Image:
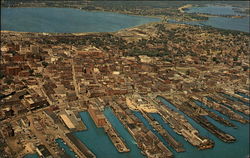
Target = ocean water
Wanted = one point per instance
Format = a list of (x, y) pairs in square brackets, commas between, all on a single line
[(238, 149), (226, 23), (66, 20), (214, 10), (98, 141), (238, 24)]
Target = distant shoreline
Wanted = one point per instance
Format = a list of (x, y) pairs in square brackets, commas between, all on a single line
[(117, 12), (160, 17), (181, 9)]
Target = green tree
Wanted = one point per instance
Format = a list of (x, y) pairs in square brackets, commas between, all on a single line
[(45, 64), (1, 75)]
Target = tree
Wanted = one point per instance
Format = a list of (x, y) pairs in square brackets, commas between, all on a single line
[(8, 81), (45, 64), (1, 75), (31, 71)]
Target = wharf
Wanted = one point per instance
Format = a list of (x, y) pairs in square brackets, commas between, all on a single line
[(246, 92), (116, 140), (237, 98), (101, 122), (168, 153), (172, 142), (65, 155), (77, 122), (81, 147), (191, 111), (182, 127), (213, 129), (214, 116), (247, 100), (239, 107), (225, 111), (125, 122)]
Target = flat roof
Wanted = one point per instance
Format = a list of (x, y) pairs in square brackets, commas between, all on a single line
[(67, 121)]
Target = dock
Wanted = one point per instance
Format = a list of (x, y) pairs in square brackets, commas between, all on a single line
[(172, 142), (191, 110), (235, 105), (81, 147), (213, 115), (182, 127), (247, 100), (225, 110), (118, 142), (101, 122), (246, 92)]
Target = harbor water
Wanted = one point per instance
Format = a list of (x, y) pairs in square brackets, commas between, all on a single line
[(66, 148), (31, 156), (98, 141), (225, 22), (215, 10)]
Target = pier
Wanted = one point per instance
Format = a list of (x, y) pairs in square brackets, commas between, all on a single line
[(154, 135), (118, 142), (237, 96), (181, 125), (85, 152), (235, 105), (172, 142), (192, 111), (211, 114), (243, 93), (101, 121), (210, 102)]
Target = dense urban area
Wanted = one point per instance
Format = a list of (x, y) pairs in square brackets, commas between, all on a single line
[(48, 79)]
